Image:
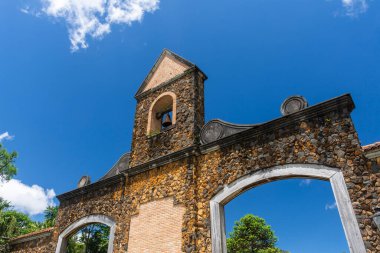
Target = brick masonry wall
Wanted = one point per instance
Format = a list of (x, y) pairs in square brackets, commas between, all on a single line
[(157, 228), (167, 69)]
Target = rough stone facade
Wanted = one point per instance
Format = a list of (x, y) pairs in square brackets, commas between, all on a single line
[(368, 196), (40, 241), (181, 135), (176, 165)]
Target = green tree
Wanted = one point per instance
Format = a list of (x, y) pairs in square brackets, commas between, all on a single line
[(3, 227), (7, 171), (90, 239), (7, 164), (12, 224), (16, 223), (251, 234), (74, 245), (50, 215), (4, 205), (95, 238)]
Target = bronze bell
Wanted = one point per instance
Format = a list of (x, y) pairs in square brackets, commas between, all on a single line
[(167, 121)]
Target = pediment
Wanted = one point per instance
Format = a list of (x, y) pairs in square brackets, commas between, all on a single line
[(168, 66)]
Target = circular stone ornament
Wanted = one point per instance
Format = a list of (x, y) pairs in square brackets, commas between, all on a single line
[(212, 131), (293, 104), (85, 180)]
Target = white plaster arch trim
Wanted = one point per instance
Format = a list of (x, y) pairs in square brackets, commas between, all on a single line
[(333, 175), (174, 114), (62, 239)]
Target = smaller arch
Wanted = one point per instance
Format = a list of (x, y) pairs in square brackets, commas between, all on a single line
[(62, 239), (165, 102)]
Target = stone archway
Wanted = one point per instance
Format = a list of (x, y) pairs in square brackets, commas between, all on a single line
[(334, 176), (62, 239)]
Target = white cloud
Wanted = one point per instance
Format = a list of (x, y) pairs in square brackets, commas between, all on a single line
[(93, 18), (6, 136), (31, 200), (28, 10), (25, 10), (330, 206), (354, 7), (305, 182)]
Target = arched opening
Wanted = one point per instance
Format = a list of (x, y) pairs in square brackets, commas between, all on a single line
[(334, 176), (162, 113), (92, 238), (89, 234), (286, 215)]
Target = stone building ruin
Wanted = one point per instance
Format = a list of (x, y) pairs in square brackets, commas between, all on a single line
[(168, 193)]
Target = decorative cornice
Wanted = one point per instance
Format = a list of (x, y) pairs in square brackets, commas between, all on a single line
[(172, 157), (371, 147), (218, 129), (120, 166), (343, 102), (372, 154), (32, 236), (92, 187)]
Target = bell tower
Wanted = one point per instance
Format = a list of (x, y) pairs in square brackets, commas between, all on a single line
[(170, 109)]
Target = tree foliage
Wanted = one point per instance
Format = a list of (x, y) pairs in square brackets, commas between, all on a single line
[(12, 222), (50, 215), (3, 228), (7, 223), (251, 234), (90, 239), (16, 223), (7, 164)]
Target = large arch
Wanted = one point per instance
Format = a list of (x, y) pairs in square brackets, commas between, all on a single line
[(62, 239), (334, 176)]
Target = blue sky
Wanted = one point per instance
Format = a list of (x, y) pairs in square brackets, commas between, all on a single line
[(301, 212), (70, 109)]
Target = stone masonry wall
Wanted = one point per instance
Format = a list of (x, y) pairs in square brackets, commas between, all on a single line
[(38, 245), (369, 196), (327, 139), (330, 140)]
